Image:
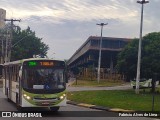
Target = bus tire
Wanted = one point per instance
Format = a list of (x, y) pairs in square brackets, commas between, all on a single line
[(7, 94), (54, 108), (9, 100), (17, 99), (19, 108)]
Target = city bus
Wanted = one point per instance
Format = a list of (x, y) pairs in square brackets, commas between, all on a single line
[(35, 82)]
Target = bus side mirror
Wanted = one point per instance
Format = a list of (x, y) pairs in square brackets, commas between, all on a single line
[(66, 77)]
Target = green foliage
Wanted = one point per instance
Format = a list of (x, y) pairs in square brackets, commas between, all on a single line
[(150, 58), (25, 44)]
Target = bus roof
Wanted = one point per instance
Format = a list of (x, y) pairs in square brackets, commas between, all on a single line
[(21, 61)]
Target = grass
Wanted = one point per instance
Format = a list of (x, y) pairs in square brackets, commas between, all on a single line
[(95, 83), (124, 99)]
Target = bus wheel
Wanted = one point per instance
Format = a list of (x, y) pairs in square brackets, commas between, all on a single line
[(19, 108), (54, 108), (9, 100)]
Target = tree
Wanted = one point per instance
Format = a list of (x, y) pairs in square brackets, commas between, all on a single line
[(150, 58), (25, 44), (127, 59)]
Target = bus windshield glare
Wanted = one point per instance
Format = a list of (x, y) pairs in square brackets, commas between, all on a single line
[(47, 75), (43, 78)]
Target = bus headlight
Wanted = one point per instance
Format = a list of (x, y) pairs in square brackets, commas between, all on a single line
[(61, 97), (24, 95), (27, 97)]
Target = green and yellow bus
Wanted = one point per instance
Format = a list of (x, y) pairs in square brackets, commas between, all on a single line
[(35, 82)]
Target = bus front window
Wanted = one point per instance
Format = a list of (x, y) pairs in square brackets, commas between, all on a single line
[(46, 78)]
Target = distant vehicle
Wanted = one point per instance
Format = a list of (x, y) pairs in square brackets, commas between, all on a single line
[(143, 83), (35, 82)]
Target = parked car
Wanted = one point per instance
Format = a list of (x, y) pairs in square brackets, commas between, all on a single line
[(143, 83)]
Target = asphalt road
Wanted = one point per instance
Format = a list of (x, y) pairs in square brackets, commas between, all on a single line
[(70, 112)]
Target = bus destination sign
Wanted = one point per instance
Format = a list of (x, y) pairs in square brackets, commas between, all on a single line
[(40, 63)]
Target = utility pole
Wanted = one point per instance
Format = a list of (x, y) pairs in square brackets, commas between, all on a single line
[(9, 41), (100, 47), (139, 47)]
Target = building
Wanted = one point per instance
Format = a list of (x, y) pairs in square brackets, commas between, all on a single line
[(85, 59), (2, 17), (2, 36)]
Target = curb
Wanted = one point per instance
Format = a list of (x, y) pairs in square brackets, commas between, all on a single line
[(99, 107)]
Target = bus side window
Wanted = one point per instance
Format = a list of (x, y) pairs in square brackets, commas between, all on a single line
[(14, 73), (17, 72), (7, 73), (1, 67), (3, 73), (11, 72)]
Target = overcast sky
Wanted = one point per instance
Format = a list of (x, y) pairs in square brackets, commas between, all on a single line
[(66, 24)]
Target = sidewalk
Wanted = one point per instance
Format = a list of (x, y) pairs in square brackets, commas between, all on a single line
[(85, 88)]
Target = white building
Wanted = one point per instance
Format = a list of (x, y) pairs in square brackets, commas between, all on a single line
[(2, 17)]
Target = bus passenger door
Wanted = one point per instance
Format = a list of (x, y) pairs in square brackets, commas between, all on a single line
[(10, 82), (20, 85)]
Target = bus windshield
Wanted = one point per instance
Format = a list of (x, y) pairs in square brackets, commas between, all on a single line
[(43, 78)]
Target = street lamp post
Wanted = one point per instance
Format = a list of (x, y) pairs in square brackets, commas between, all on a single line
[(139, 47), (100, 47)]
